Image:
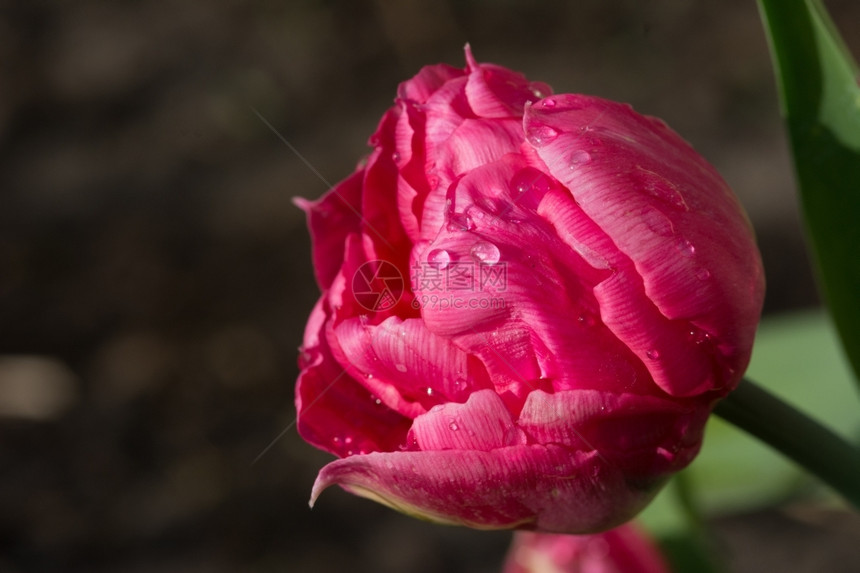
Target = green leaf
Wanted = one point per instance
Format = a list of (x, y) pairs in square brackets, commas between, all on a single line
[(820, 100)]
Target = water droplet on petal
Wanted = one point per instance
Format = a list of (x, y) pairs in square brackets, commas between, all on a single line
[(460, 222), (539, 135), (699, 336), (347, 440), (539, 89), (658, 222), (523, 186), (703, 274), (687, 248), (549, 102), (305, 357), (591, 256), (439, 258), (653, 354), (485, 252), (453, 426), (400, 367), (396, 157), (657, 186), (429, 391), (585, 319), (579, 158)]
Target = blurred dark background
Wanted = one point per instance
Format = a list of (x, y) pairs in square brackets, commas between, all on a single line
[(155, 277)]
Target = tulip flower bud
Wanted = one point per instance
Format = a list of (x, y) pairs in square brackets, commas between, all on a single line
[(624, 549), (530, 304)]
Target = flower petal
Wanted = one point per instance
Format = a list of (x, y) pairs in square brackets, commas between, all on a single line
[(625, 549), (407, 366), (661, 204), (331, 219), (427, 81), (497, 92), (476, 142), (548, 488), (325, 391), (482, 423), (641, 434)]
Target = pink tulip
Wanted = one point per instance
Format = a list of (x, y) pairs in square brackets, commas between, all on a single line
[(624, 549), (530, 304)]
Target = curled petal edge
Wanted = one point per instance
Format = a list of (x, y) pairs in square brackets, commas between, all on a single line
[(545, 488)]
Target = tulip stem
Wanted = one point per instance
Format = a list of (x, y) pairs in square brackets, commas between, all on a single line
[(805, 441)]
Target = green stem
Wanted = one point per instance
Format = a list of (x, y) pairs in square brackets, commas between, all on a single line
[(797, 436)]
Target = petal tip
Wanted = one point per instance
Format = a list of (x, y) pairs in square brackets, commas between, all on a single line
[(304, 204), (322, 483), (471, 63)]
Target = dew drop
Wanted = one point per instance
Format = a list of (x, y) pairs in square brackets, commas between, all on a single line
[(400, 367), (437, 407), (396, 157), (479, 213), (305, 357), (429, 391), (661, 188), (549, 102), (579, 158), (378, 402), (539, 89), (347, 440), (591, 256), (460, 222), (687, 248), (653, 354), (336, 440), (585, 319), (703, 274), (539, 135), (439, 258), (658, 222), (699, 336), (485, 252), (453, 426)]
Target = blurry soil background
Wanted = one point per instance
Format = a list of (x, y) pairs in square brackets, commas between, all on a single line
[(155, 277)]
